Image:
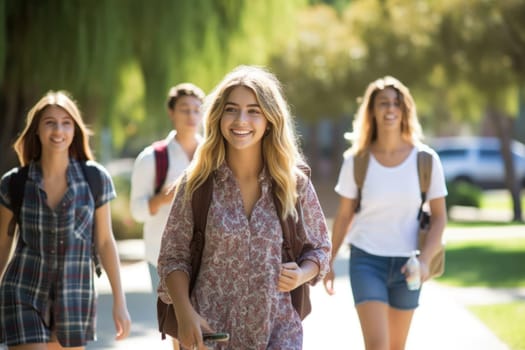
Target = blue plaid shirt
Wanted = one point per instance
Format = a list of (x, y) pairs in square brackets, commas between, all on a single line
[(51, 269)]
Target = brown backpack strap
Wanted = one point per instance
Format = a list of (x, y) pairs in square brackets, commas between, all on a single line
[(424, 170), (200, 204), (293, 248), (360, 167)]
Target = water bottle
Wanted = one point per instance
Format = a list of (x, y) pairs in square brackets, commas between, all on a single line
[(413, 272)]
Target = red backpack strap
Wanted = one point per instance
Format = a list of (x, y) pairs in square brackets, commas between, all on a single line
[(160, 149)]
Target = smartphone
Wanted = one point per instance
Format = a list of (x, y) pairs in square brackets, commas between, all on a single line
[(218, 336)]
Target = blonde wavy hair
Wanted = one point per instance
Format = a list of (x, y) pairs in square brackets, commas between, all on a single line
[(28, 146), (364, 125), (280, 151)]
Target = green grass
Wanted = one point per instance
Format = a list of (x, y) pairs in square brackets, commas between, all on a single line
[(489, 263), (478, 223), (499, 200), (494, 200), (505, 320), (495, 263)]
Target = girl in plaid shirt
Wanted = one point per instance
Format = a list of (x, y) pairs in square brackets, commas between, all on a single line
[(47, 294)]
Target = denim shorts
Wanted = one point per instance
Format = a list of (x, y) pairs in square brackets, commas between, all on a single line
[(379, 278)]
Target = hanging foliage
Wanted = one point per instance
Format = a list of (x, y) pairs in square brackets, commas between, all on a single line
[(94, 49)]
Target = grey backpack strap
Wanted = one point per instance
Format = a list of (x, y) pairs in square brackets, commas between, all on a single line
[(360, 167)]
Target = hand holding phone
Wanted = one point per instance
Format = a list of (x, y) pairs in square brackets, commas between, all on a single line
[(218, 336)]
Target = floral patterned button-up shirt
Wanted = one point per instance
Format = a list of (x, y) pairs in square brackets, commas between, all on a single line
[(236, 290)]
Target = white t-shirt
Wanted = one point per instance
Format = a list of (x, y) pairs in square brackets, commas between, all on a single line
[(143, 188), (387, 223)]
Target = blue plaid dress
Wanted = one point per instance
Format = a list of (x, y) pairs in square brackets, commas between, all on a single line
[(48, 284)]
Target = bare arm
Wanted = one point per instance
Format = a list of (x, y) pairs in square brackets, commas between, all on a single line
[(6, 241), (107, 249), (433, 243), (164, 197), (293, 275), (189, 321), (342, 221)]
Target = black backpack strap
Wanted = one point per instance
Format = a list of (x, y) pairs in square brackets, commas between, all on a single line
[(17, 185), (94, 180), (160, 150)]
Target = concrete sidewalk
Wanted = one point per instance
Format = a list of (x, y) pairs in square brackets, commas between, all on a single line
[(441, 321)]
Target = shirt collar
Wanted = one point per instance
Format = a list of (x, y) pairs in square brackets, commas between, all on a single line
[(74, 172), (223, 173)]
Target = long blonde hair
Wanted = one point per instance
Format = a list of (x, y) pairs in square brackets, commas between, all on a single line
[(28, 146), (279, 147), (365, 128)]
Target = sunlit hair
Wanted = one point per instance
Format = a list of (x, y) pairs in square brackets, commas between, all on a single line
[(183, 89), (365, 127), (279, 146), (28, 146)]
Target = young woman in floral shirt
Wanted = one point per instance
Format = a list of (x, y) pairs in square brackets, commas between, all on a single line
[(243, 286)]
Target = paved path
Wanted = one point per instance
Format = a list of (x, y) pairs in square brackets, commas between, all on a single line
[(441, 321)]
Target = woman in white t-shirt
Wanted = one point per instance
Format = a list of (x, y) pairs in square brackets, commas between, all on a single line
[(383, 232)]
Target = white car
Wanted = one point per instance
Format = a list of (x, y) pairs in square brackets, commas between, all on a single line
[(478, 160)]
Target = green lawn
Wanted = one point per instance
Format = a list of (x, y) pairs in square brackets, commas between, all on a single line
[(477, 223), (505, 320), (494, 263), (489, 263), (499, 200)]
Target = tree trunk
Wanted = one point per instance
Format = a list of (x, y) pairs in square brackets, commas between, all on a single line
[(504, 132), (519, 129), (13, 118)]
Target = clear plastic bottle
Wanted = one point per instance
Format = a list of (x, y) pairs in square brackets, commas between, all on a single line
[(413, 272)]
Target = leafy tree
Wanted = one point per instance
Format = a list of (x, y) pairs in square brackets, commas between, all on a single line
[(56, 45), (314, 71), (460, 59), (110, 53), (490, 55)]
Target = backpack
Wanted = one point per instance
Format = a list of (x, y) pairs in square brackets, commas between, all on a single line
[(160, 150), (292, 249), (424, 170), (16, 193)]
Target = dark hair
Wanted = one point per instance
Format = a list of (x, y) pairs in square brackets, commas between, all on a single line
[(184, 89)]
